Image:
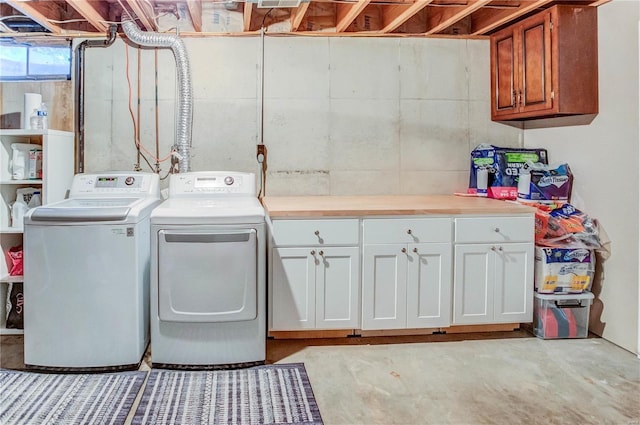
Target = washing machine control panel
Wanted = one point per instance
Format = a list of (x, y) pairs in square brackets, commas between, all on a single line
[(211, 183), (136, 184)]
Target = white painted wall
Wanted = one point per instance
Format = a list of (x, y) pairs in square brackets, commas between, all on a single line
[(341, 115), (604, 159)]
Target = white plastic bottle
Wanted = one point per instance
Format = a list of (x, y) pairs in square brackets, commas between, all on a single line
[(43, 115), (18, 210), (33, 120)]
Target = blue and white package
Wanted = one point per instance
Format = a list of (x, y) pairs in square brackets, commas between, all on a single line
[(563, 270), (502, 166), (547, 183)]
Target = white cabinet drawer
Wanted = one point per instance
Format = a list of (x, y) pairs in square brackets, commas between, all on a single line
[(316, 232), (494, 229), (406, 230)]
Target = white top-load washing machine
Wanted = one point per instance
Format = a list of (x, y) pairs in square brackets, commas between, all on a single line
[(208, 273), (87, 274)]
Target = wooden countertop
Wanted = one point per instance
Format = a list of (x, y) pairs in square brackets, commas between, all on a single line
[(341, 206)]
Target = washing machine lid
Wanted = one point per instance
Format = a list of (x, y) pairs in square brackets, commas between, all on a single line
[(210, 210), (92, 210)]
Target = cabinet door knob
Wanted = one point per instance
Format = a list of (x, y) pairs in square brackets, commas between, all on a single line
[(321, 253), (500, 249), (317, 232), (313, 252), (493, 248), (415, 250), (496, 229), (404, 250), (409, 232)]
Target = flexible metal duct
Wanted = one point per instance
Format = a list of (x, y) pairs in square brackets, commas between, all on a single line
[(185, 108)]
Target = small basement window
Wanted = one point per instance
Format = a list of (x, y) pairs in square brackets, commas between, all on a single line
[(34, 60)]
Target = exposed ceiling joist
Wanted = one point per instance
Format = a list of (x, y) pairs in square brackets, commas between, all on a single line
[(297, 15), (246, 16), (489, 22), (396, 15), (451, 18), (195, 11), (346, 13), (41, 14), (444, 17), (88, 10), (141, 13)]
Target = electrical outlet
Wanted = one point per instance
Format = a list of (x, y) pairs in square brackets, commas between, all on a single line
[(261, 153)]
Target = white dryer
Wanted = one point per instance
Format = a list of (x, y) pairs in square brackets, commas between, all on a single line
[(208, 279), (87, 274)]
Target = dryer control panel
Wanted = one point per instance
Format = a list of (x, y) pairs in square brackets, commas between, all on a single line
[(212, 183)]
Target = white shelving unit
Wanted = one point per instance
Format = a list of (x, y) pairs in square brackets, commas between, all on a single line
[(57, 174)]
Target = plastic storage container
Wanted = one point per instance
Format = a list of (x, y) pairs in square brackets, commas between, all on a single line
[(561, 316)]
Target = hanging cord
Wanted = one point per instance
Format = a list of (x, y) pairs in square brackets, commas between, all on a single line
[(137, 166), (157, 120), (139, 146), (262, 159)]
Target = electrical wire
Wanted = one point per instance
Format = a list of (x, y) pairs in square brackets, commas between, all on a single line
[(139, 146)]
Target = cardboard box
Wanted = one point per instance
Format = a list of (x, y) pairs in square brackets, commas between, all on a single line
[(561, 316), (563, 270)]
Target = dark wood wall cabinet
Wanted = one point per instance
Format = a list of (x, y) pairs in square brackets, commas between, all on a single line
[(546, 65)]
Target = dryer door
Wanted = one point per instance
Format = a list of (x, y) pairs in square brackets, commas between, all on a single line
[(207, 276)]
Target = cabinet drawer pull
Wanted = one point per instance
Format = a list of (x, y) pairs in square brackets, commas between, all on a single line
[(321, 253), (493, 248), (313, 252), (500, 249), (409, 232), (415, 250), (404, 250), (317, 233), (496, 229)]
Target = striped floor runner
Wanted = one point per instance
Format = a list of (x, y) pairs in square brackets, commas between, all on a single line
[(271, 394), (43, 399)]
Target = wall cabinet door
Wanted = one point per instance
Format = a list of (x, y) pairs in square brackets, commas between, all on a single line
[(337, 284), (546, 65), (384, 286), (493, 283), (293, 289), (315, 288)]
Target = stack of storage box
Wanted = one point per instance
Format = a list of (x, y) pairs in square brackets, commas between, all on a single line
[(562, 301)]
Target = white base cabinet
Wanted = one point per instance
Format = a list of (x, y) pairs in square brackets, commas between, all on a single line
[(400, 272), (493, 282), (406, 286), (406, 282), (316, 286)]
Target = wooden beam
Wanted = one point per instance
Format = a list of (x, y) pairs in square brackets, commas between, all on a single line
[(248, 8), (598, 3), (443, 17), (488, 22), (146, 20), (394, 16), (297, 15), (195, 11), (347, 13), (41, 14), (88, 10)]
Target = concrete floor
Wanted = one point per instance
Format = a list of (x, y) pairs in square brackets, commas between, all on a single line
[(489, 378)]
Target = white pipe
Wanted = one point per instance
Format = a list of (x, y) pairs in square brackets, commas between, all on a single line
[(185, 96)]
